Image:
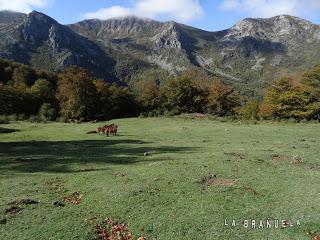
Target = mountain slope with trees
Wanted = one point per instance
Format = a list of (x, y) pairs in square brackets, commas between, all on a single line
[(249, 55)]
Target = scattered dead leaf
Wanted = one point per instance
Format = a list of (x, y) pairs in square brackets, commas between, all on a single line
[(75, 198), (207, 178), (297, 159), (56, 184), (317, 237), (278, 158), (113, 230), (212, 179)]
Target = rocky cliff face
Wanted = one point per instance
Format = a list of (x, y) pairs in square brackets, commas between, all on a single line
[(250, 54), (7, 17), (41, 41)]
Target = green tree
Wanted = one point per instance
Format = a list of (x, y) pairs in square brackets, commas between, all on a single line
[(14, 101), (42, 90), (183, 95), (311, 78)]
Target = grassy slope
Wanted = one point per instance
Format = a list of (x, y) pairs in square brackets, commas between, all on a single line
[(161, 193)]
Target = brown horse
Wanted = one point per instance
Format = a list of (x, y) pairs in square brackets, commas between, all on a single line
[(108, 129), (112, 129)]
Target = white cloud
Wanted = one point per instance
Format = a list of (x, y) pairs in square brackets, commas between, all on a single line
[(111, 12), (183, 10), (21, 5), (270, 8)]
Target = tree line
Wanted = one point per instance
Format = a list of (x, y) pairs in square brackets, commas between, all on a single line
[(75, 94)]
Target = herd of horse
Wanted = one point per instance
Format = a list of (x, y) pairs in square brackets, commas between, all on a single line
[(111, 129)]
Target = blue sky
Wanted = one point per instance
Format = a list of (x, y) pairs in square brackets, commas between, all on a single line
[(205, 14)]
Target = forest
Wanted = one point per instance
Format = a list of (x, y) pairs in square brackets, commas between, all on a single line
[(73, 94)]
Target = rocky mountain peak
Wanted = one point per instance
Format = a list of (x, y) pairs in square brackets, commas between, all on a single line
[(170, 37), (279, 28), (119, 27), (9, 16), (37, 27)]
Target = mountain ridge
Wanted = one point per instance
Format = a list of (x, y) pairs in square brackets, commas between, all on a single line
[(250, 54)]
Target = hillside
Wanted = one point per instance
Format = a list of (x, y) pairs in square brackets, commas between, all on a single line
[(42, 42), (249, 55)]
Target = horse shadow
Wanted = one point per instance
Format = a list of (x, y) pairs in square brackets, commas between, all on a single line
[(8, 130)]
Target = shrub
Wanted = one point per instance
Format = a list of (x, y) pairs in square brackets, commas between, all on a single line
[(4, 119), (175, 112), (158, 112), (22, 117), (13, 117), (34, 119), (62, 119), (46, 112), (292, 120), (250, 110), (304, 121), (143, 115)]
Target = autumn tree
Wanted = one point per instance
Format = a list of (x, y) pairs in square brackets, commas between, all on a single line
[(148, 94), (284, 99), (76, 93), (222, 99), (23, 77)]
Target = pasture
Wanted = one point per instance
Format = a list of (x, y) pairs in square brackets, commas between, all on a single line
[(167, 178)]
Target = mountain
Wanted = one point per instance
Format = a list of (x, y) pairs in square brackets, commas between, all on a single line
[(249, 55), (42, 42), (7, 17)]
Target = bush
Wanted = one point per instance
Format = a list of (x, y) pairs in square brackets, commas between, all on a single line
[(34, 119), (304, 121), (12, 117), (292, 120), (62, 119), (250, 110), (158, 112), (166, 113), (4, 119), (174, 112), (46, 112), (143, 115), (22, 117)]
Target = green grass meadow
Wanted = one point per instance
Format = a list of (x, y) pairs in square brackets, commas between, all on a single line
[(275, 169)]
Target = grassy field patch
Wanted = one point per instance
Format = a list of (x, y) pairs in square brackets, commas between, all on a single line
[(167, 178)]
